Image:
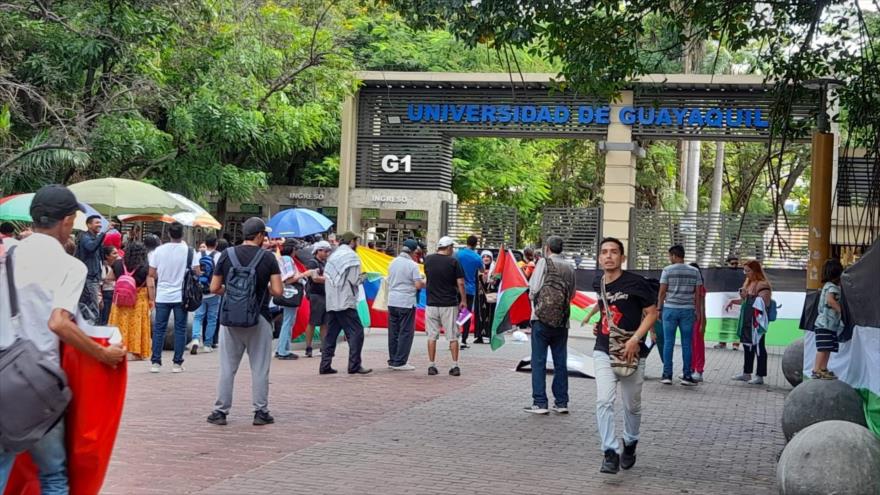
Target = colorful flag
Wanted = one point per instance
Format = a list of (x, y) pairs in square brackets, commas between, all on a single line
[(513, 301), (580, 305)]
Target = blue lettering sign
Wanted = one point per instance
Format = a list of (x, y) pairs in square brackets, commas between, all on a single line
[(627, 116), (585, 115)]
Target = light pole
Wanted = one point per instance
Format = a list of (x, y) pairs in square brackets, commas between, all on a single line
[(819, 243)]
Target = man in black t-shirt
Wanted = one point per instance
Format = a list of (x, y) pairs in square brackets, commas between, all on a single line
[(446, 297), (256, 340), (317, 301), (632, 307)]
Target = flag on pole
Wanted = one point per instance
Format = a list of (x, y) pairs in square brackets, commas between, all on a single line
[(513, 301)]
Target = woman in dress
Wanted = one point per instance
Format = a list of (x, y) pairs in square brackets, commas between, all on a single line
[(134, 322), (108, 282), (756, 285)]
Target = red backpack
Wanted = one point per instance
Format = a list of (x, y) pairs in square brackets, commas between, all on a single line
[(125, 294)]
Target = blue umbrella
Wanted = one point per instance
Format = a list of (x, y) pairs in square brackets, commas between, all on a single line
[(298, 222)]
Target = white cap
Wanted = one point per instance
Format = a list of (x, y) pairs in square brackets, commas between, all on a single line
[(445, 241), (321, 245)]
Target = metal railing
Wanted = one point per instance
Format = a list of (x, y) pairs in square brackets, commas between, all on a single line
[(493, 225), (580, 229)]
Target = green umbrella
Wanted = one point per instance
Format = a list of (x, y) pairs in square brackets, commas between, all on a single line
[(113, 196)]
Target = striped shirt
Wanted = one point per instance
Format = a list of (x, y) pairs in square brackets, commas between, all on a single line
[(682, 282)]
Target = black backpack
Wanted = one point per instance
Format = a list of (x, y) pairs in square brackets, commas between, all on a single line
[(552, 305), (241, 306), (192, 291)]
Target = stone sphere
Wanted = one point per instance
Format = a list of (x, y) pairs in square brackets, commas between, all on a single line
[(830, 457), (793, 362), (820, 400)]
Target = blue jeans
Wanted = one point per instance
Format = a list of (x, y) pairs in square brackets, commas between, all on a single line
[(556, 339), (163, 311), (210, 307), (287, 321), (50, 456), (682, 319)]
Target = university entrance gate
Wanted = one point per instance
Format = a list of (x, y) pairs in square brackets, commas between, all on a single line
[(398, 130)]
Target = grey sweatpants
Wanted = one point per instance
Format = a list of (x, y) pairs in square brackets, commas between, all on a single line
[(234, 341)]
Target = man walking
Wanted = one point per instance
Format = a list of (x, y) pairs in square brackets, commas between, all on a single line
[(342, 280), (679, 302), (168, 265), (48, 284), (629, 305), (471, 264), (404, 282), (90, 250), (317, 294), (551, 290), (246, 276), (210, 308), (446, 297)]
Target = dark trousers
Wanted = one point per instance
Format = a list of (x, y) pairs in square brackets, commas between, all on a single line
[(466, 328), (346, 321), (401, 329), (749, 358), (107, 297), (556, 339)]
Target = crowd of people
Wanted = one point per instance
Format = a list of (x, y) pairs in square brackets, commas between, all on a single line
[(139, 284)]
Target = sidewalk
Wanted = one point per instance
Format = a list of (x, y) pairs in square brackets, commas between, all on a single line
[(408, 433)]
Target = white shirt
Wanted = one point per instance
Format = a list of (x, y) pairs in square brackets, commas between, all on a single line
[(169, 260), (46, 278)]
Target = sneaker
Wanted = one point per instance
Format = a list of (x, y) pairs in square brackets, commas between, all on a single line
[(628, 457), (536, 409), (464, 346), (742, 377), (308, 352), (217, 418), (758, 380), (666, 380), (720, 345), (177, 368), (611, 464), (361, 371), (194, 347), (328, 371), (192, 343), (289, 357), (454, 371), (403, 367), (559, 409), (208, 349), (687, 381), (698, 377), (155, 368), (432, 370), (263, 418)]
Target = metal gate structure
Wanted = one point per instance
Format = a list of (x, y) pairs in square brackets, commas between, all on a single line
[(580, 229), (493, 225), (710, 238)]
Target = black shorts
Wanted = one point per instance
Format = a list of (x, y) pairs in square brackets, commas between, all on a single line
[(826, 340), (318, 315)]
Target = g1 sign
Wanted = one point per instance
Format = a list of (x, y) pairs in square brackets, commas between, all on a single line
[(391, 163)]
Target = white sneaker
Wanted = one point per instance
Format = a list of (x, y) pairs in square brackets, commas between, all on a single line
[(155, 368), (758, 380), (536, 410), (207, 349), (177, 368), (559, 409), (404, 367), (698, 377), (193, 346), (742, 377), (666, 381), (192, 343)]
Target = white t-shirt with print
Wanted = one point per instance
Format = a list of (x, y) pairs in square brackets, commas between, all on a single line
[(169, 260)]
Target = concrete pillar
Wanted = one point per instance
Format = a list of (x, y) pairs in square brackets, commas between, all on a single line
[(347, 157), (620, 176)]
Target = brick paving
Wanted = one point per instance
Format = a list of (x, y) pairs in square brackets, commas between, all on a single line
[(408, 433)]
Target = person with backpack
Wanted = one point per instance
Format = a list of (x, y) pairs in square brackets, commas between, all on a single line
[(42, 287), (628, 306), (169, 266), (551, 289), (755, 286), (134, 296), (210, 307), (246, 276)]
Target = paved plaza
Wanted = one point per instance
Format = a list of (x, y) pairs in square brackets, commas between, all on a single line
[(407, 433)]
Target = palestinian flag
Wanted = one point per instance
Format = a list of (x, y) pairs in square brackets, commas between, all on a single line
[(513, 301), (580, 305)]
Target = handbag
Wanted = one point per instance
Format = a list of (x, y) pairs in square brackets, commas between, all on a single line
[(617, 339), (381, 301), (291, 298), (192, 291)]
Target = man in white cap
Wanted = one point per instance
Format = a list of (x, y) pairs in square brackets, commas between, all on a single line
[(317, 294), (446, 297)]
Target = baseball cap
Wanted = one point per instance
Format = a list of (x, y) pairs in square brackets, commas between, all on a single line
[(445, 241), (253, 226), (321, 245), (349, 236), (53, 202), (411, 244)]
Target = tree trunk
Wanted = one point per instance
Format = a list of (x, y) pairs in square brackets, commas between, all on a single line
[(709, 254)]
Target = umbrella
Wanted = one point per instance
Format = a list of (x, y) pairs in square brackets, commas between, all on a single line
[(195, 216), (298, 222), (17, 208), (114, 196)]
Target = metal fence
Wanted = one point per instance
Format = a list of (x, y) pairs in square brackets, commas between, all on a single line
[(580, 229), (710, 238), (493, 225)]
